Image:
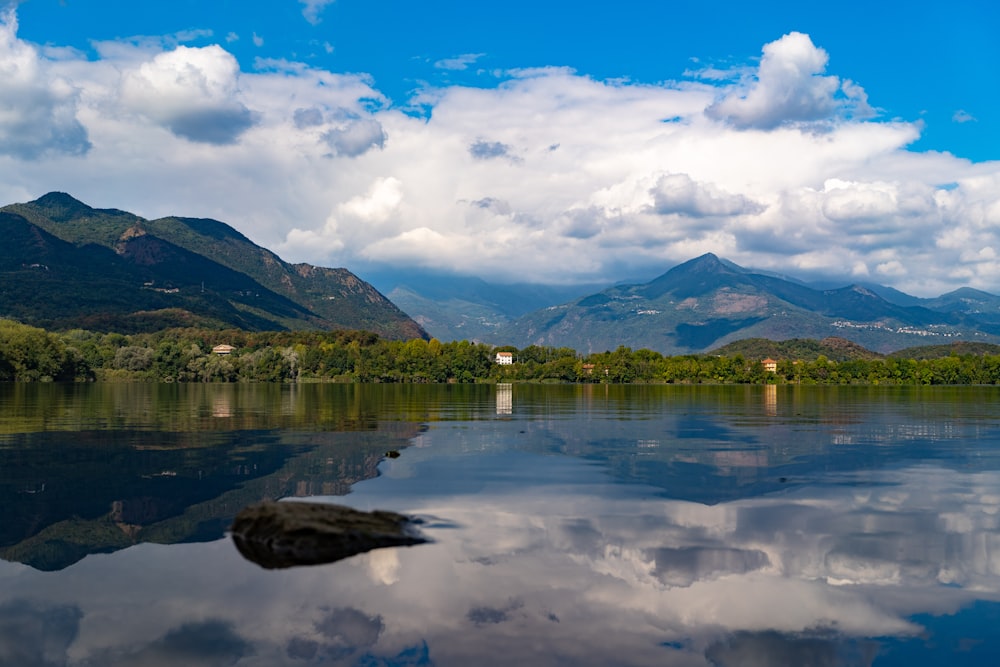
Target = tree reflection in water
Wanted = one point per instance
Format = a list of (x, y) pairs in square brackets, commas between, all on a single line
[(659, 526)]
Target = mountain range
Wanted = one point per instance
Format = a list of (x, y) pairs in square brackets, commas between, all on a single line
[(468, 308), (66, 265), (708, 302)]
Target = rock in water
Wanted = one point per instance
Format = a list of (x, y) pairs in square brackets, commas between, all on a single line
[(276, 535)]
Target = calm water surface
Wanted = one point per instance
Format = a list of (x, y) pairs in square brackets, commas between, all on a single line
[(571, 525)]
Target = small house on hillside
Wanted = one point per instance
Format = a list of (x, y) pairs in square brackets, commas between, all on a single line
[(505, 358), (223, 349), (770, 365)]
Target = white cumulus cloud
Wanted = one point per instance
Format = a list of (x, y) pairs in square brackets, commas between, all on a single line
[(679, 194), (377, 204), (38, 108), (193, 92), (548, 175), (355, 137), (789, 87)]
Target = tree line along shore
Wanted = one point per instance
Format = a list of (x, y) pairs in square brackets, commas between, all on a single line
[(30, 354)]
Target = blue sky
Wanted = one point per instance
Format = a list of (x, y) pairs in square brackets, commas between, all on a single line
[(921, 61), (548, 141)]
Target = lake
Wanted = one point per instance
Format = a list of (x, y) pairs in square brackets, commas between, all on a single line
[(570, 525)]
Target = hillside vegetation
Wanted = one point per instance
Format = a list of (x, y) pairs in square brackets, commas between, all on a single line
[(805, 349), (65, 265), (186, 355), (954, 349)]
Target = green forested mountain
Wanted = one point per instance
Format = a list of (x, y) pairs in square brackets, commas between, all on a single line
[(805, 349), (67, 265), (949, 350), (707, 302)]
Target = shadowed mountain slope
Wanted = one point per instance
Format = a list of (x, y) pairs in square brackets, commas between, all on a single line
[(69, 265)]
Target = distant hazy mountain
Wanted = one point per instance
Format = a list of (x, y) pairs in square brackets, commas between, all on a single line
[(978, 305), (65, 264), (707, 302), (454, 307), (972, 303)]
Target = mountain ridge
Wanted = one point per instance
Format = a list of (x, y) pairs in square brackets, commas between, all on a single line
[(121, 267), (707, 302), (69, 265), (456, 307)]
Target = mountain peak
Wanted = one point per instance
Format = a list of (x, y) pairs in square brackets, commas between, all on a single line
[(968, 293), (60, 206), (58, 199), (707, 262), (110, 266), (694, 277)]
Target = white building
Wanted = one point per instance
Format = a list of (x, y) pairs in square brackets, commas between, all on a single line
[(505, 358)]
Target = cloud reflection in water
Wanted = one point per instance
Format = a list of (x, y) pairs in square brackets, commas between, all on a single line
[(548, 560)]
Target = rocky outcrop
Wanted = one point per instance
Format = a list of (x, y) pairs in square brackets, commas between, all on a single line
[(285, 534)]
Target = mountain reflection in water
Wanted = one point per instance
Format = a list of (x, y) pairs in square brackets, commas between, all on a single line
[(572, 525)]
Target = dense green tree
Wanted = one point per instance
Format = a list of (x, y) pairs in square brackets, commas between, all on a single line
[(30, 354), (184, 355), (133, 358)]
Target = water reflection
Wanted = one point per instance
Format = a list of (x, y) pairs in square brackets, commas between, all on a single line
[(643, 527), (832, 569), (146, 468), (505, 398)]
